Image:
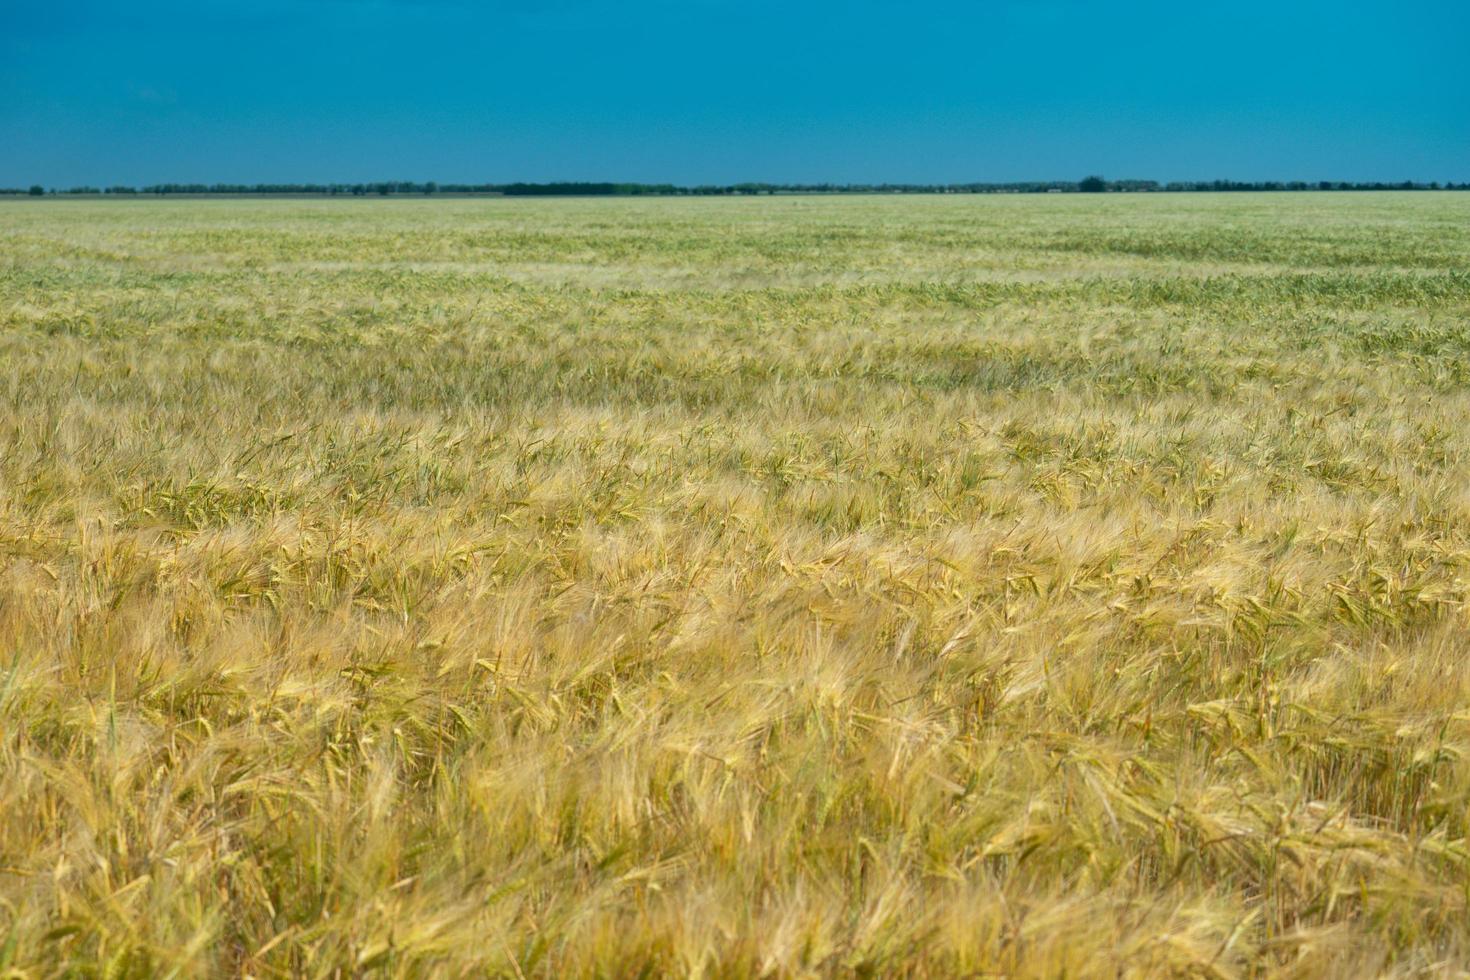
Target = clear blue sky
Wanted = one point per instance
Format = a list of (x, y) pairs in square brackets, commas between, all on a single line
[(695, 91)]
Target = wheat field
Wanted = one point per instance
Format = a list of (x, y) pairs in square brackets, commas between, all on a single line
[(1031, 586)]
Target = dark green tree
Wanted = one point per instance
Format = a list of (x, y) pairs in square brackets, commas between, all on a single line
[(1092, 185)]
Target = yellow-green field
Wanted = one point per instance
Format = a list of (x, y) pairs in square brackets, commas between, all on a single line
[(1032, 586)]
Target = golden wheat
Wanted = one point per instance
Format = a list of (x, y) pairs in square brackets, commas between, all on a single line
[(1025, 586)]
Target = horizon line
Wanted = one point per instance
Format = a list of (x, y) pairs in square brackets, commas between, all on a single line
[(386, 188)]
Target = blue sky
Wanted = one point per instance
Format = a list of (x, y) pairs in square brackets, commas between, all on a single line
[(717, 91)]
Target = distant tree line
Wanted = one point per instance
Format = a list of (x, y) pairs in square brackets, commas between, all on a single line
[(1302, 185), (585, 189), (1092, 184)]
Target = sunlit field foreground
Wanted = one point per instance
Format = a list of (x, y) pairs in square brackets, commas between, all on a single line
[(922, 586)]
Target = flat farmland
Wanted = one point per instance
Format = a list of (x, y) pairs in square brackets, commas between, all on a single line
[(799, 586)]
